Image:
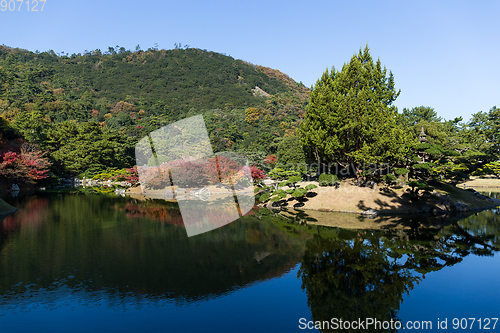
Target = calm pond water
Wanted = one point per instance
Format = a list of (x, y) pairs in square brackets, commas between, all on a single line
[(89, 263)]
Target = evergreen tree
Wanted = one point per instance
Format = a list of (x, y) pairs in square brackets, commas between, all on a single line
[(76, 148), (351, 119), (418, 114), (290, 153), (483, 133)]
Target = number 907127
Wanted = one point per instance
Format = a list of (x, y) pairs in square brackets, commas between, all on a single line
[(18, 5)]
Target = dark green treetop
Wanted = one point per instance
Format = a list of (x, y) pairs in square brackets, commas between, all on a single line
[(350, 118)]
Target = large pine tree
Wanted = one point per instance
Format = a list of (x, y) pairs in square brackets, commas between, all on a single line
[(351, 119)]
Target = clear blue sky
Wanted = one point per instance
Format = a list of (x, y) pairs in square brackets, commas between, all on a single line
[(444, 54)]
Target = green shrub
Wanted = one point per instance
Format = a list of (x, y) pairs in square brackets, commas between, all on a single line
[(328, 180), (264, 197), (276, 194), (401, 171), (389, 179), (418, 189), (299, 192), (310, 187)]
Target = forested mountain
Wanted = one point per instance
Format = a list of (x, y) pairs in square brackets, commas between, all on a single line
[(134, 93)]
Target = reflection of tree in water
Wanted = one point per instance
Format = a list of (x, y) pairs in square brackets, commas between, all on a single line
[(28, 219), (89, 244), (32, 216), (480, 232), (353, 274), (159, 210), (352, 277)]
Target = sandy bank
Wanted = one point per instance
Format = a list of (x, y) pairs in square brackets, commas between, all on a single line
[(353, 199)]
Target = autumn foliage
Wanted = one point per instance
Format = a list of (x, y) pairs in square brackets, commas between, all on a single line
[(194, 173), (271, 160), (257, 174), (221, 168), (188, 173), (28, 165)]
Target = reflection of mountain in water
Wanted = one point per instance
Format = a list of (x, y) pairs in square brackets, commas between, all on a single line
[(103, 248), (86, 244)]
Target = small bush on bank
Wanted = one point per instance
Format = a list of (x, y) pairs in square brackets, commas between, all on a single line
[(389, 179), (326, 179)]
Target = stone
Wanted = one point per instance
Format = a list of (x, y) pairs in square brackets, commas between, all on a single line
[(168, 195), (460, 207), (370, 212)]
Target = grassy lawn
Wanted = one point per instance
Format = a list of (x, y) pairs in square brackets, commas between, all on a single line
[(481, 182)]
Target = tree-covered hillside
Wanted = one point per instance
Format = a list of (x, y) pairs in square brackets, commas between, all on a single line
[(129, 94), (159, 81)]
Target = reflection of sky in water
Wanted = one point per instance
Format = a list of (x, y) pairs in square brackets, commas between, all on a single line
[(271, 306), (467, 290)]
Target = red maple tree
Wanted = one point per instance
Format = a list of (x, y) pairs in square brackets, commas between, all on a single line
[(28, 165)]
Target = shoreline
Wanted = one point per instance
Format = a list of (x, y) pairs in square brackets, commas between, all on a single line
[(397, 212), (380, 200), (6, 209), (351, 199)]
